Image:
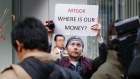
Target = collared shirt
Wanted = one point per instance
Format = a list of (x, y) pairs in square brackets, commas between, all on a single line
[(60, 52)]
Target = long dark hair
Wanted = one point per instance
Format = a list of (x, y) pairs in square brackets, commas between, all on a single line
[(111, 31)]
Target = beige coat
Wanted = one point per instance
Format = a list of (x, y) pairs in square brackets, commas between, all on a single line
[(56, 53), (16, 72), (111, 69)]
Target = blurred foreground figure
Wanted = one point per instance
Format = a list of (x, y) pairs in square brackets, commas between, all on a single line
[(30, 39), (112, 68), (121, 41), (134, 69)]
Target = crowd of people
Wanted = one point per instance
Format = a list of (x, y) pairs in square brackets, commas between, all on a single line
[(30, 39)]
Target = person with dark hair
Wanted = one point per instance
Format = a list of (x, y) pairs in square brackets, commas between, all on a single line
[(59, 51), (112, 68), (76, 62), (30, 39), (121, 42), (57, 36)]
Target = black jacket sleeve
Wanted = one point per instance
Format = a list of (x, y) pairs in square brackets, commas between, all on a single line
[(102, 57)]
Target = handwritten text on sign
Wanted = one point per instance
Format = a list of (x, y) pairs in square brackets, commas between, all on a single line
[(75, 19)]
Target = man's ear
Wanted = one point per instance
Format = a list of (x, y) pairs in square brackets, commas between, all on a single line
[(19, 46)]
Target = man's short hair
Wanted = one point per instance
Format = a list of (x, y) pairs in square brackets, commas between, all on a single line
[(55, 38), (32, 33)]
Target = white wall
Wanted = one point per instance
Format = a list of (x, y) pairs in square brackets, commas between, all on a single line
[(43, 9), (35, 8), (5, 20), (53, 2)]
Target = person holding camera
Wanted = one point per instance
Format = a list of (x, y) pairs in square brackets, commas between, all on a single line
[(121, 41), (49, 25), (112, 68), (58, 51)]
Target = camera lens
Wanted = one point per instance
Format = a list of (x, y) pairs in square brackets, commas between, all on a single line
[(51, 26)]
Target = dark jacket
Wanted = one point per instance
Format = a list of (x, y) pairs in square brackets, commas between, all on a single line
[(134, 69), (86, 67)]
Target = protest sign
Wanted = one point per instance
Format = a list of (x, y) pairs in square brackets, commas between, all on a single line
[(72, 19)]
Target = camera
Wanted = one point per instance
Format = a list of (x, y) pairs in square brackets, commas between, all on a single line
[(50, 24), (127, 31), (127, 27)]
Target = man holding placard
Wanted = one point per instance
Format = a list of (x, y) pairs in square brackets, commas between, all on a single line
[(79, 20), (76, 62)]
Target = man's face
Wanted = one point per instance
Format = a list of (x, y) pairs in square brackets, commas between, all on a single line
[(75, 49), (59, 42)]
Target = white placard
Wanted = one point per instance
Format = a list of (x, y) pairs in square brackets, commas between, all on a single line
[(72, 19)]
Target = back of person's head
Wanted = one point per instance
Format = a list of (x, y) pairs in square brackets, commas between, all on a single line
[(32, 33), (58, 35)]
